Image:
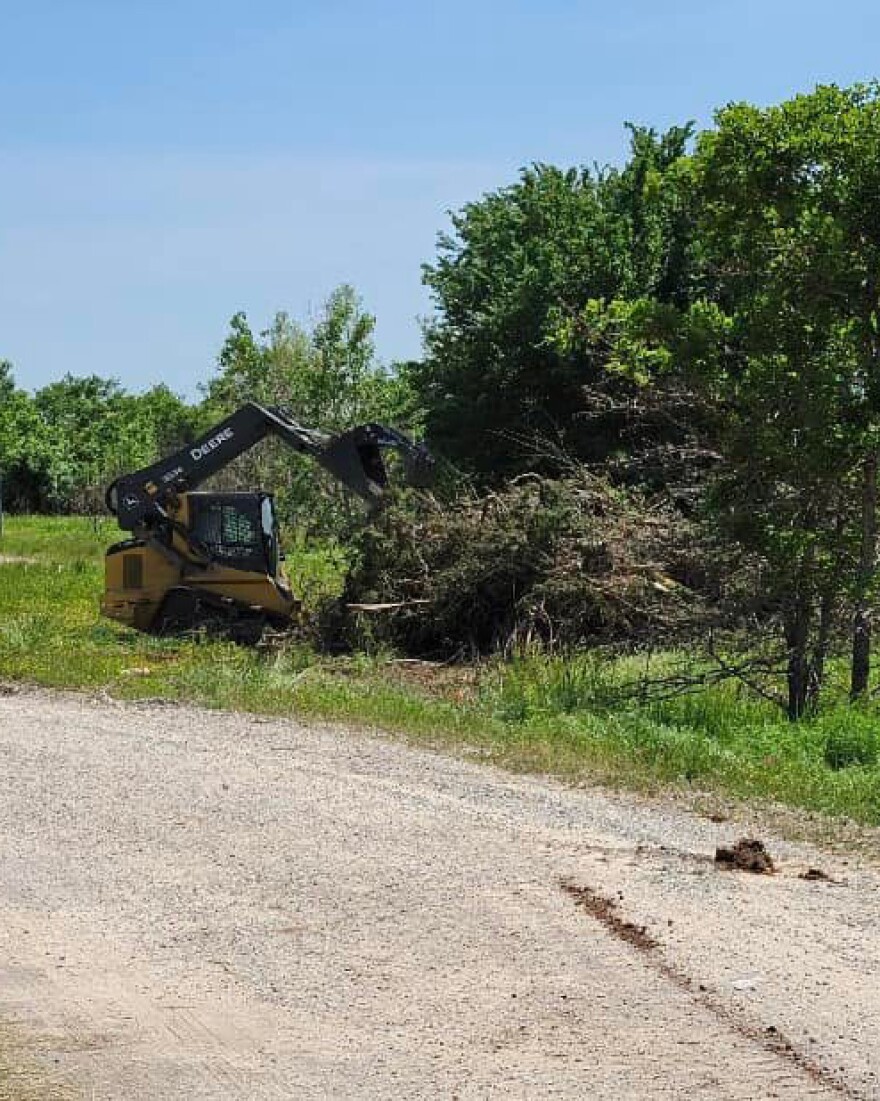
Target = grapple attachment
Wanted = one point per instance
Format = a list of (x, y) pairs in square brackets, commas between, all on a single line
[(355, 458)]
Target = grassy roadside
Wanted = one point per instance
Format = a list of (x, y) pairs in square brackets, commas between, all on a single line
[(540, 715)]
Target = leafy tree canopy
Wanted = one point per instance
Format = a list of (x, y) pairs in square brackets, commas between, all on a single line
[(517, 264)]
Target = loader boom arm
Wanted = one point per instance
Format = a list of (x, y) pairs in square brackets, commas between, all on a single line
[(354, 458)]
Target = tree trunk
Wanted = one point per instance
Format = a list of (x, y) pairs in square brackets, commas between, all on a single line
[(828, 605), (797, 633), (861, 641), (820, 651)]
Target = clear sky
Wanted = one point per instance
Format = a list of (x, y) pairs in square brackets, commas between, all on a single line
[(166, 163)]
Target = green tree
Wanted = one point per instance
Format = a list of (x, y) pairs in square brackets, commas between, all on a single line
[(99, 431), (153, 423), (25, 448), (7, 381), (60, 448), (771, 341), (519, 264), (789, 197), (327, 377)]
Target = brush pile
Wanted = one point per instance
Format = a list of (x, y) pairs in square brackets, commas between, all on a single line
[(559, 563)]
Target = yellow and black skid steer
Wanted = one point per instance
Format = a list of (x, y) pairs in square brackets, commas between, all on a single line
[(212, 561)]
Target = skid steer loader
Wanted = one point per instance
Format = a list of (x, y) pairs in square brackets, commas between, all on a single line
[(212, 561)]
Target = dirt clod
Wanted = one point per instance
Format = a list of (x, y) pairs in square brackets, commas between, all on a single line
[(747, 855)]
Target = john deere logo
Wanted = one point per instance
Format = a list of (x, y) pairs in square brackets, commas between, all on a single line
[(208, 446)]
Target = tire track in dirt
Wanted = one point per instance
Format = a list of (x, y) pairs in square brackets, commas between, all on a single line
[(605, 911)]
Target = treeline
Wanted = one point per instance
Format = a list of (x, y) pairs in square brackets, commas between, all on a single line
[(684, 352), (61, 446)]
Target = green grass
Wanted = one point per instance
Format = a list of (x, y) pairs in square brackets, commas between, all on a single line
[(538, 713), (721, 738)]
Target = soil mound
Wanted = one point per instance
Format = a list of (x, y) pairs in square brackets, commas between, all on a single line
[(747, 855)]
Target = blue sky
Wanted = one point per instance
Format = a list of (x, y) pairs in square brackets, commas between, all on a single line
[(164, 164)]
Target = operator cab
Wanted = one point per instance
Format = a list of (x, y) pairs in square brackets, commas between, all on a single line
[(240, 530)]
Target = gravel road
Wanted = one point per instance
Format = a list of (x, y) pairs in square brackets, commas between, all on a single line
[(200, 905)]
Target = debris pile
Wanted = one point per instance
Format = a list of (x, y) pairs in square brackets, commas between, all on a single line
[(747, 855), (566, 562)]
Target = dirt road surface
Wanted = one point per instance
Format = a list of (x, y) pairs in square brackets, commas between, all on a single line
[(197, 905)]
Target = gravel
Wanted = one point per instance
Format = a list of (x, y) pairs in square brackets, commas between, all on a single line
[(204, 905)]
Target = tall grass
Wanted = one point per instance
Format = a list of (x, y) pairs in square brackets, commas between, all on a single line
[(565, 716), (717, 737)]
